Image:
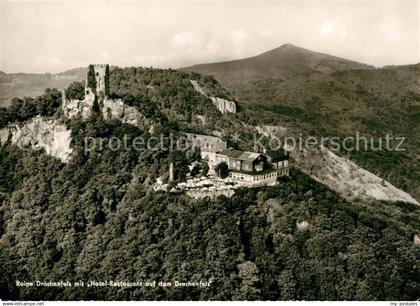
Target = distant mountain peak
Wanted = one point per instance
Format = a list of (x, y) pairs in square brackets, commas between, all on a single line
[(285, 47), (279, 63), (288, 45), (289, 48)]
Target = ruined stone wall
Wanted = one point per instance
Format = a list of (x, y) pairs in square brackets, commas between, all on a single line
[(207, 143), (110, 108), (115, 108), (73, 108)]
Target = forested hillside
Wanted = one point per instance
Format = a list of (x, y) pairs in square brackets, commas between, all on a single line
[(166, 94), (373, 103), (325, 96), (97, 218)]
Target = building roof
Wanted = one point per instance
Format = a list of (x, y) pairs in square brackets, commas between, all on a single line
[(278, 155), (250, 156), (241, 155), (207, 143), (230, 153)]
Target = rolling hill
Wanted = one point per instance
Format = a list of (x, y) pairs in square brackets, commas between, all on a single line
[(280, 63), (31, 84)]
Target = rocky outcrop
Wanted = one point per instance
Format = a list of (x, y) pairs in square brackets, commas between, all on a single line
[(271, 130), (339, 173), (416, 240), (223, 105), (40, 133), (197, 87), (346, 177), (74, 108), (303, 225), (115, 108), (111, 108)]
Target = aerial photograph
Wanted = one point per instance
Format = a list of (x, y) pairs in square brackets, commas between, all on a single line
[(210, 150)]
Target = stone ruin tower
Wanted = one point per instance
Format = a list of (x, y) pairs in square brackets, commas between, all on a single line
[(96, 91), (97, 82), (97, 99)]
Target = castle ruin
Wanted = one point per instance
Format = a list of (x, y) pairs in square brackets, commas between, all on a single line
[(96, 87), (97, 93)]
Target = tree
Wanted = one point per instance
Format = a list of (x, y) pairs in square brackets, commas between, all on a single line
[(222, 170), (288, 285), (107, 80), (195, 170), (75, 91), (4, 117), (95, 107), (248, 290), (180, 161), (205, 168)]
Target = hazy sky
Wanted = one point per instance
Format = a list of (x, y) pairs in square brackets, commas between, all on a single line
[(52, 36)]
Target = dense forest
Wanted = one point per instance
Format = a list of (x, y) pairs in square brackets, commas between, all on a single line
[(97, 218)]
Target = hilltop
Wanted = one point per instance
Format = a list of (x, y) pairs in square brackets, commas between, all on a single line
[(280, 63)]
